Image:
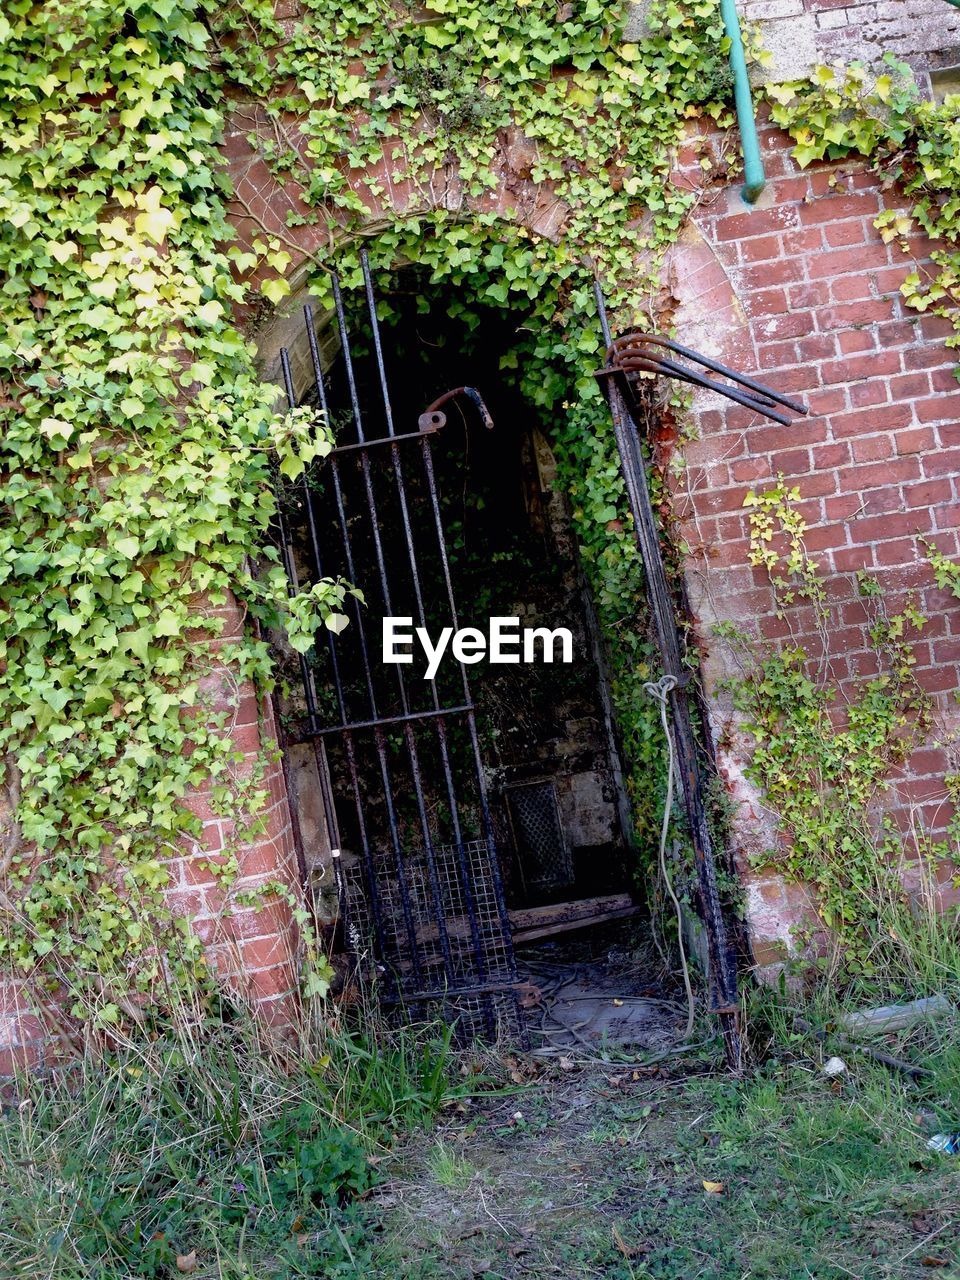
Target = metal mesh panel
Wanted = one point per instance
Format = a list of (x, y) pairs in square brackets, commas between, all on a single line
[(544, 857), (439, 930)]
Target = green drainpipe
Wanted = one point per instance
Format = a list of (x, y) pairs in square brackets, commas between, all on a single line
[(753, 172)]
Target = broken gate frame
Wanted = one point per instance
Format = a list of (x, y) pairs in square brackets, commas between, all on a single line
[(630, 353)]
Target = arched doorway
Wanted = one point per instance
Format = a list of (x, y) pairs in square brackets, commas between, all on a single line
[(484, 806)]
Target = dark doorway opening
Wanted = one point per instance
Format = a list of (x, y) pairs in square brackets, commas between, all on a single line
[(485, 808)]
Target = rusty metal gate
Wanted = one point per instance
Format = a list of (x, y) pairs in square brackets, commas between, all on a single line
[(398, 755), (418, 874)]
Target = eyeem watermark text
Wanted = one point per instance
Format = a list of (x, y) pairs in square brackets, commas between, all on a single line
[(503, 642)]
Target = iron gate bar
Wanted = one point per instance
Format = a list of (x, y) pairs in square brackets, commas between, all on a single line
[(619, 392), (436, 716), (353, 726), (629, 354)]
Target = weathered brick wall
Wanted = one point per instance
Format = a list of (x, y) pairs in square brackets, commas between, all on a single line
[(802, 288), (252, 944), (799, 34)]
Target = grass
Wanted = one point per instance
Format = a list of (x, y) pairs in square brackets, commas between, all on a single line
[(613, 1172), (198, 1150)]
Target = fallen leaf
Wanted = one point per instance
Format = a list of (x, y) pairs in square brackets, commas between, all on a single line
[(617, 1004), (187, 1261), (566, 1064), (931, 1261), (712, 1188)]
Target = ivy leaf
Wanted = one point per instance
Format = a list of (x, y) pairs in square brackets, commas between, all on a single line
[(62, 250), (154, 221), (168, 624), (56, 429), (275, 289)]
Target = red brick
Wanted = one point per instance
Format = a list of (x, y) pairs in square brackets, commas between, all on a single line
[(781, 271), (876, 364), (844, 233), (820, 346), (870, 449), (838, 262), (830, 208), (938, 408), (767, 302), (930, 493), (944, 379), (909, 386), (901, 524), (847, 314), (853, 559), (856, 340), (862, 421), (756, 222), (831, 455), (849, 288), (891, 472), (942, 462), (809, 295), (897, 551), (927, 357), (760, 248), (875, 391)]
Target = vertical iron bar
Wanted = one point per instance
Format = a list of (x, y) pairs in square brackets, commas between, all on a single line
[(309, 689), (421, 613), (408, 735), (723, 973)]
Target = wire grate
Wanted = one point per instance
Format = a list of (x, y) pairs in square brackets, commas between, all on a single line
[(535, 817), (440, 933)]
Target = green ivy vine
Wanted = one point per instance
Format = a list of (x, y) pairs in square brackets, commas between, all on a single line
[(137, 453), (909, 141), (823, 762), (139, 444)]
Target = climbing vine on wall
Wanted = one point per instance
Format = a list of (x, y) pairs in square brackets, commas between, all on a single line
[(136, 466), (910, 141), (138, 441), (823, 758)]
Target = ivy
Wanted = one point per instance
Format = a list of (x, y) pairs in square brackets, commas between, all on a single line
[(910, 142), (136, 477), (822, 761)]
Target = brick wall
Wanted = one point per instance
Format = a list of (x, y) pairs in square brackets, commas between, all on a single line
[(252, 949), (802, 289)]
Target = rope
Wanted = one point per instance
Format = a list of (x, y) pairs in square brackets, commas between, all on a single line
[(660, 691)]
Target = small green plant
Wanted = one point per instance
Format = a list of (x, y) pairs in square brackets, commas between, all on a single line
[(447, 1167), (823, 763), (908, 140)]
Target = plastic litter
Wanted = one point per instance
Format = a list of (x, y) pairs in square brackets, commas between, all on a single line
[(948, 1143)]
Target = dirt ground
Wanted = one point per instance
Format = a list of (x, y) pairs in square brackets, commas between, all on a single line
[(622, 1173)]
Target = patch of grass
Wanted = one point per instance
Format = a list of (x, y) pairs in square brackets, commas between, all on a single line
[(447, 1167), (199, 1150), (821, 1180)]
